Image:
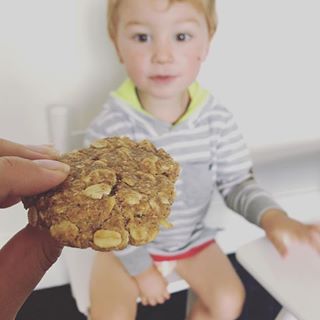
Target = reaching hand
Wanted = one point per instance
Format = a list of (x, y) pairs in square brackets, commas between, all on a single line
[(152, 287), (24, 171), (283, 230)]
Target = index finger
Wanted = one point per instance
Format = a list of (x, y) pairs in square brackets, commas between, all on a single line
[(9, 148)]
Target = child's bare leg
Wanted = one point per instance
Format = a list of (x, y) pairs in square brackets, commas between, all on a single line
[(218, 288), (113, 291)]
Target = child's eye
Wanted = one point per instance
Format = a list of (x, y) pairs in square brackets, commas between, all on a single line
[(183, 37), (142, 37)]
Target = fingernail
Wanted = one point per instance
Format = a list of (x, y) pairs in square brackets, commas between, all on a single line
[(44, 149), (52, 165)]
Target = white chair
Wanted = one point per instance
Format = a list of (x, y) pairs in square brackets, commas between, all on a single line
[(285, 315), (294, 281), (79, 261)]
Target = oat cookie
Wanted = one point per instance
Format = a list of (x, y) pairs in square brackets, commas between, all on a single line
[(118, 192)]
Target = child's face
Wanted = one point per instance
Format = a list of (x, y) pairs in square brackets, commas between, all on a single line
[(162, 47)]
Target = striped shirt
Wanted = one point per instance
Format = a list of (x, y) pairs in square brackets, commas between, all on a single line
[(211, 152)]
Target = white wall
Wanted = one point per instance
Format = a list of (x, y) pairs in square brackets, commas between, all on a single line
[(264, 64), (51, 52)]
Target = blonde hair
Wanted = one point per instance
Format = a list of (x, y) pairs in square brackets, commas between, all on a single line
[(207, 7)]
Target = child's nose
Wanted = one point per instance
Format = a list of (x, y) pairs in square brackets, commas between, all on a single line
[(162, 53)]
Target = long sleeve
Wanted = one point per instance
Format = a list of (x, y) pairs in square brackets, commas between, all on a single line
[(235, 177), (111, 121), (250, 200)]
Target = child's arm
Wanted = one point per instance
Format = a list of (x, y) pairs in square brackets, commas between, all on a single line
[(257, 206), (283, 230), (152, 287), (236, 183)]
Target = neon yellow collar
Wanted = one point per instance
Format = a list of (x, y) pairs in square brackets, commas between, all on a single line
[(127, 93)]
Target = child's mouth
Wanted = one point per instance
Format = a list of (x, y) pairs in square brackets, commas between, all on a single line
[(163, 79)]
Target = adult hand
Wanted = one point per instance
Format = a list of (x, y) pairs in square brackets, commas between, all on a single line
[(24, 171)]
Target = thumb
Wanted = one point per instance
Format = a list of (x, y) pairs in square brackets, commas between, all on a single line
[(23, 262), (22, 177)]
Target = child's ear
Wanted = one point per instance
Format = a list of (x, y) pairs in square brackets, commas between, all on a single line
[(205, 52), (120, 58), (118, 52)]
